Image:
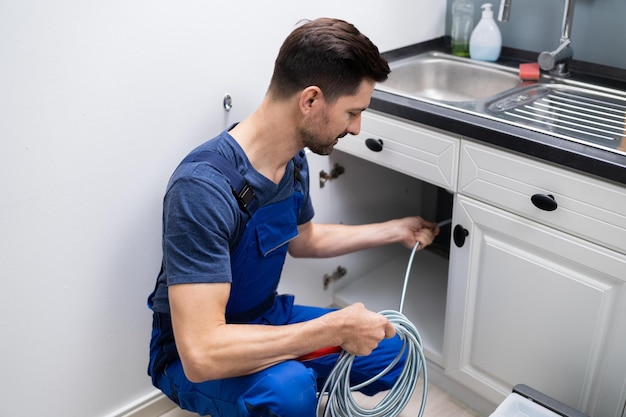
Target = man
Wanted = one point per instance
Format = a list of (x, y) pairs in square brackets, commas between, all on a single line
[(223, 342)]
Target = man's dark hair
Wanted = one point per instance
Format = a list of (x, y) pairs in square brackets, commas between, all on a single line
[(329, 53)]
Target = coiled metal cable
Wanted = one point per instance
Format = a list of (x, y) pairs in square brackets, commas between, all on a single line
[(341, 403)]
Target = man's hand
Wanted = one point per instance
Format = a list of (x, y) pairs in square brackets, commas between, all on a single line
[(362, 329), (415, 229)]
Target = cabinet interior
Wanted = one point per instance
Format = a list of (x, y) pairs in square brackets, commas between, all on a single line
[(366, 192)]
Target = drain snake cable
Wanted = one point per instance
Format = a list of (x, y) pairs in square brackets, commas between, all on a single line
[(341, 403)]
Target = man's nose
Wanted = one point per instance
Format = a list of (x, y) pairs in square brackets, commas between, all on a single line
[(354, 128)]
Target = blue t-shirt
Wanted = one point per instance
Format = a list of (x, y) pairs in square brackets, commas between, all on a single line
[(202, 221)]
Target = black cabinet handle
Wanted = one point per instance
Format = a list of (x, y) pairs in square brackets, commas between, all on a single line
[(544, 202), (375, 145), (459, 234)]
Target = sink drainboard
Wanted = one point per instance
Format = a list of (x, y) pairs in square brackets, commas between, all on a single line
[(596, 118)]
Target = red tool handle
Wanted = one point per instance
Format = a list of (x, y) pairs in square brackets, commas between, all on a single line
[(319, 353)]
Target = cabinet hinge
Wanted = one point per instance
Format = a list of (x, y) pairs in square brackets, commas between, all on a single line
[(334, 173), (336, 275)]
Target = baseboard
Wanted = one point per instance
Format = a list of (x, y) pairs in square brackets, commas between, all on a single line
[(154, 404), (463, 395)]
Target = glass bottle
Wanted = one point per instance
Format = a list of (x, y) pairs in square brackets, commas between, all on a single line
[(462, 25)]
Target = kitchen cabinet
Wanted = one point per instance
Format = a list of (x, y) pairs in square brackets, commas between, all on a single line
[(537, 297), (431, 158), (411, 175), (531, 296)]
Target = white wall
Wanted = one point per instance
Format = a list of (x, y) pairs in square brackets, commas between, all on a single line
[(99, 100)]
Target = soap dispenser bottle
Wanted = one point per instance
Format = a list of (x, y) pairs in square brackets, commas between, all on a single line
[(462, 24), (486, 40)]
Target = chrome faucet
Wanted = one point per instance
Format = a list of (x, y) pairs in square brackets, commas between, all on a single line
[(557, 61)]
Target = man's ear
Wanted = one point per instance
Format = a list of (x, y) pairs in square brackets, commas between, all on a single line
[(310, 98)]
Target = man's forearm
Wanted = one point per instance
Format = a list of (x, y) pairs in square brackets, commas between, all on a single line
[(329, 240)]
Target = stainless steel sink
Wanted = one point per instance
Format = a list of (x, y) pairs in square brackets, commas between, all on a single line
[(594, 117), (444, 77), (564, 108)]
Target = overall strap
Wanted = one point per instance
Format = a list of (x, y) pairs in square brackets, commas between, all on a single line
[(241, 189), (298, 162)]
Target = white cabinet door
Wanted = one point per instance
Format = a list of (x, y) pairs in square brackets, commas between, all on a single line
[(528, 304)]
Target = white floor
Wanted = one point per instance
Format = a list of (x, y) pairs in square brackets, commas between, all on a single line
[(438, 404)]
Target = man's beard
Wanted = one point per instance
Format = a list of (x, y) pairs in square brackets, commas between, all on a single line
[(318, 146), (315, 141)]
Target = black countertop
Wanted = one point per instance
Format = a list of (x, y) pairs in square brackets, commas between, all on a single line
[(602, 163)]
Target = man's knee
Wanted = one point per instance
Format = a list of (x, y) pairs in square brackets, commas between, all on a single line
[(287, 389)]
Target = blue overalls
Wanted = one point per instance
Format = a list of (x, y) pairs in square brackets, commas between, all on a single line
[(288, 389)]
